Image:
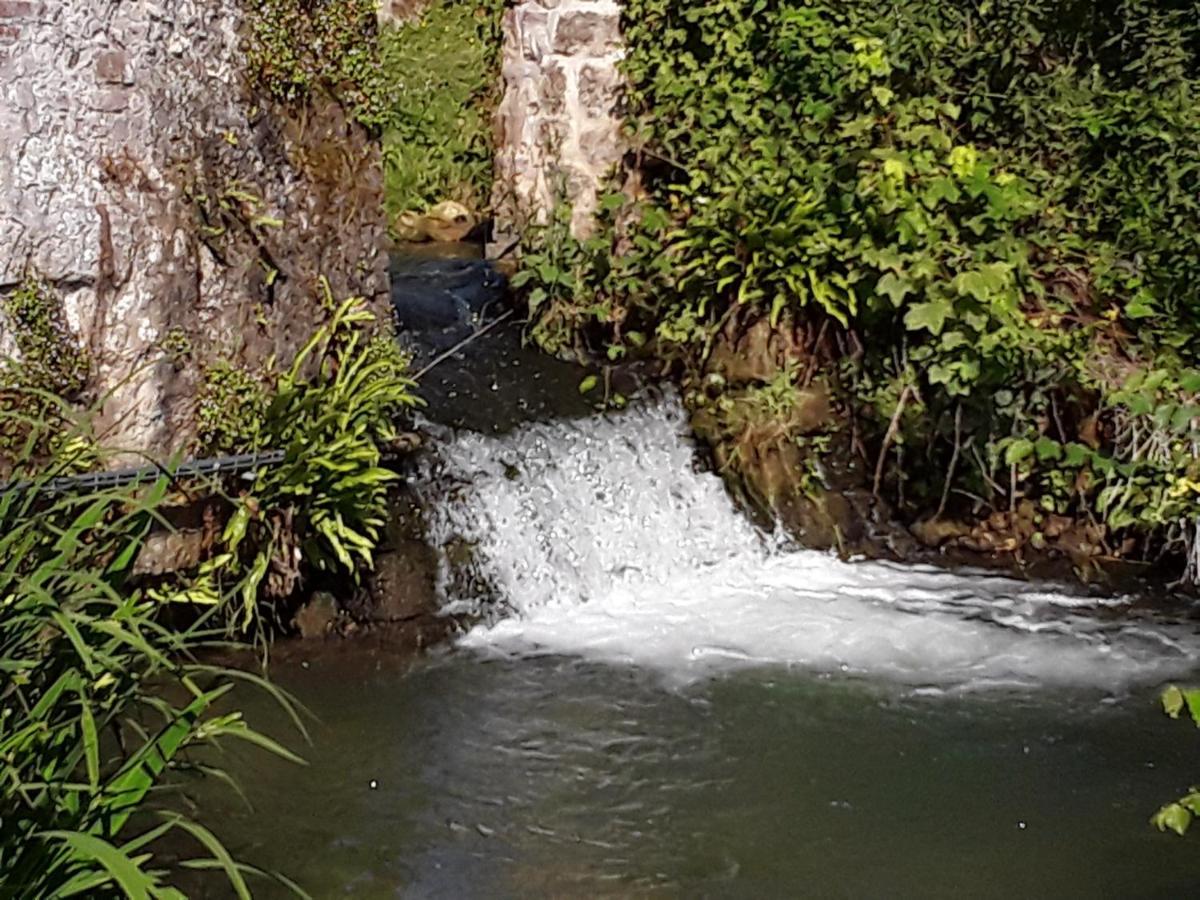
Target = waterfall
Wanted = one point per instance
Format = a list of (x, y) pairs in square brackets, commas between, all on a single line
[(602, 538)]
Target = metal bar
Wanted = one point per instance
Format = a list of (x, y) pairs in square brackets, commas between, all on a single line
[(195, 468)]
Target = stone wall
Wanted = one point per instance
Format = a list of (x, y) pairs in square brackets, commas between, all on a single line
[(559, 123), (142, 179)]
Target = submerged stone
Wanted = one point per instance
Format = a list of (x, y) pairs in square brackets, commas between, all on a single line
[(431, 295)]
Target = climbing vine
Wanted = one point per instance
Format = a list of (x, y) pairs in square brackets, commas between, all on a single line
[(49, 371), (298, 47)]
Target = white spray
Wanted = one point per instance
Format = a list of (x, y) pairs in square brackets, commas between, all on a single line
[(604, 540)]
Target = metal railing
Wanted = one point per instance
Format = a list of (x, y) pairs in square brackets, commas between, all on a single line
[(114, 478)]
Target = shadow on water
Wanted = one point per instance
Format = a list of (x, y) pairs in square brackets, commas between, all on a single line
[(442, 296)]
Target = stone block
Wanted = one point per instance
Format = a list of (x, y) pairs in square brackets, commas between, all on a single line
[(533, 28), (111, 101), (601, 146), (560, 121), (599, 89), (18, 9), (552, 89), (583, 31), (112, 67)]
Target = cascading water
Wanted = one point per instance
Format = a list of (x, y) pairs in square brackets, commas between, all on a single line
[(598, 541), (603, 539)]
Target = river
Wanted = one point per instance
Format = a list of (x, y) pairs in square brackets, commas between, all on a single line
[(661, 700)]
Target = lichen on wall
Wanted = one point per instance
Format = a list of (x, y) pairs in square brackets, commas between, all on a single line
[(145, 181)]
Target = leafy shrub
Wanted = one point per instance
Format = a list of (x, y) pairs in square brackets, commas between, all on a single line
[(322, 509), (998, 202)]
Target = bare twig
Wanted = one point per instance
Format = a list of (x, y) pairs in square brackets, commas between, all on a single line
[(893, 427), (463, 343), (953, 460), (985, 472)]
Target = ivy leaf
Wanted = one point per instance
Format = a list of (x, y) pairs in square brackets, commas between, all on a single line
[(940, 189), (895, 286), (1018, 450), (1174, 817), (940, 374), (588, 384), (1048, 448), (1183, 416), (931, 315), (983, 283), (1077, 455), (1141, 306), (612, 202), (952, 340)]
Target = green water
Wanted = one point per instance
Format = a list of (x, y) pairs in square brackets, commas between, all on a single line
[(472, 777)]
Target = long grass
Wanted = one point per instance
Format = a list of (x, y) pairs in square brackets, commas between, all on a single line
[(100, 701)]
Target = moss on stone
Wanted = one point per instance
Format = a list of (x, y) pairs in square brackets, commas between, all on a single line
[(51, 372), (298, 47), (51, 359), (231, 409)]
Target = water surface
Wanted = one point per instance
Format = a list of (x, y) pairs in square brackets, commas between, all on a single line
[(660, 700), (558, 777)]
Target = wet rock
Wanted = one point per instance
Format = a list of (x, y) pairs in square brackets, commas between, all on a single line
[(935, 532), (404, 583), (188, 531), (439, 294)]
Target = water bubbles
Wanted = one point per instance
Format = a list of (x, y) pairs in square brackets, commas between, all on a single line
[(607, 542)]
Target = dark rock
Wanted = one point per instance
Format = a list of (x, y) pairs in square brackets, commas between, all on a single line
[(404, 584), (442, 294)]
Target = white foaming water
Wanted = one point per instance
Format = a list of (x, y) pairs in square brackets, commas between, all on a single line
[(604, 541)]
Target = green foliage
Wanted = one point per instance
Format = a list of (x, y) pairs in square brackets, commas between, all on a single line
[(439, 78), (230, 409), (322, 509), (1178, 814), (51, 358), (296, 48), (574, 287), (100, 702), (997, 201), (52, 365)]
